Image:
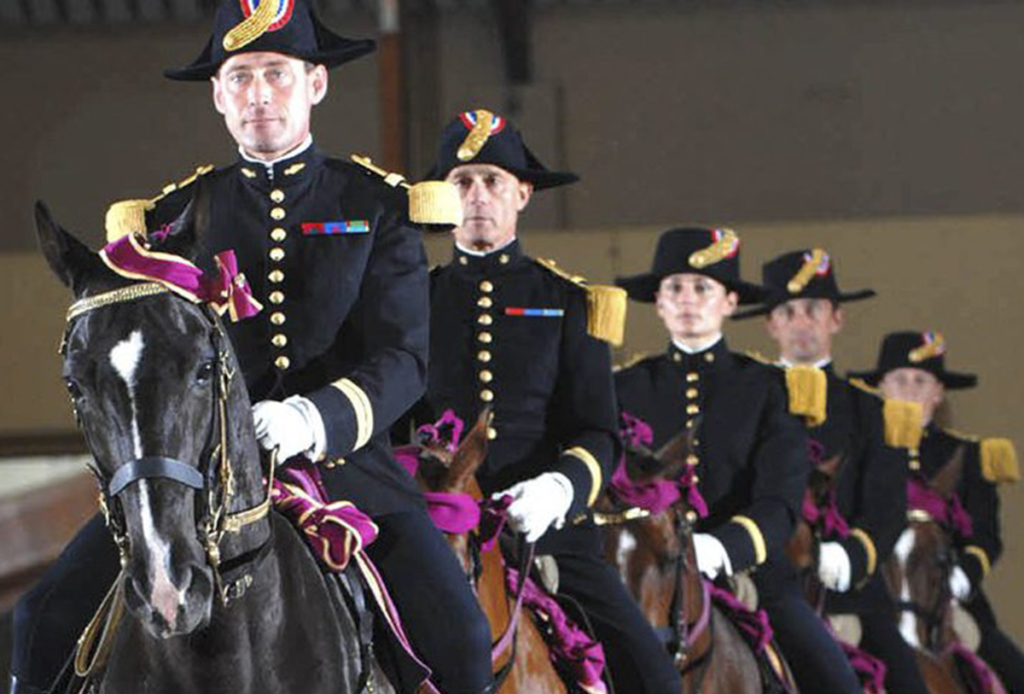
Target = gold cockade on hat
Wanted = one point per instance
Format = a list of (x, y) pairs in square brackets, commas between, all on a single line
[(812, 262), (252, 27), (723, 247), (934, 346), (478, 136)]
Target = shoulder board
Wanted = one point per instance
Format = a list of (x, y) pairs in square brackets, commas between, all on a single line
[(369, 168), (861, 384), (759, 357), (606, 305), (632, 360), (999, 461), (435, 203), (963, 436), (129, 216)]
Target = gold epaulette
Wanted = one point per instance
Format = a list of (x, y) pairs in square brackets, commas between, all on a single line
[(129, 216), (904, 423), (606, 305), (430, 202), (999, 461), (633, 360), (962, 435), (865, 386), (808, 393)]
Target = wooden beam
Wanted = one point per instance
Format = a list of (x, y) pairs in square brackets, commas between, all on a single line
[(514, 25), (389, 62)]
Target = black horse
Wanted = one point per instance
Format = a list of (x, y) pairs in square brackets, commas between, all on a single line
[(221, 595)]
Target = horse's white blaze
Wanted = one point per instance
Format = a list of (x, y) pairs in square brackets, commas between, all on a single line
[(166, 596), (125, 358), (908, 620), (626, 545)]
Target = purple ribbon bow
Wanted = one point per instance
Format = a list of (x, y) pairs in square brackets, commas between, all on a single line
[(569, 647), (658, 495), (949, 512), (827, 514), (754, 624)]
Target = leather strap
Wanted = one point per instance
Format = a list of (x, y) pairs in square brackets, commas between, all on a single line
[(154, 466)]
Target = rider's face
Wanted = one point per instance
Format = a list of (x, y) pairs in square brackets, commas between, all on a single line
[(693, 307), (804, 329), (914, 385), (492, 199)]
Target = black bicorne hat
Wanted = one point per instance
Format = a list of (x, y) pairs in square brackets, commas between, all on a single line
[(916, 350), (805, 274), (714, 253), (483, 137), (277, 26)]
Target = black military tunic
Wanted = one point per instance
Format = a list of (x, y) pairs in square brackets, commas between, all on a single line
[(978, 553), (752, 466), (871, 497), (511, 333)]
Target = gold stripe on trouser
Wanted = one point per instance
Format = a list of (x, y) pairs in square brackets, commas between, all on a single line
[(869, 548), (760, 547), (361, 405), (588, 459), (982, 556)]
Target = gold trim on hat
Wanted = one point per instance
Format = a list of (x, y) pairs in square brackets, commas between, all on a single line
[(477, 137), (252, 27), (934, 348), (807, 272), (717, 251)]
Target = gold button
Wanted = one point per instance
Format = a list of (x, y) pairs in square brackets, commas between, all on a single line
[(463, 261), (277, 318), (277, 214), (276, 297), (483, 355), (691, 392), (277, 254), (486, 287), (486, 395), (276, 276), (689, 423), (485, 302), (915, 464), (677, 357), (486, 376), (279, 340), (692, 377), (691, 516), (485, 319), (709, 357), (692, 460), (485, 337), (277, 195), (492, 433), (692, 409), (278, 234), (503, 259), (282, 362), (696, 479)]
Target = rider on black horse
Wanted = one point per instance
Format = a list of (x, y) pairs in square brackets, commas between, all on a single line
[(336, 357)]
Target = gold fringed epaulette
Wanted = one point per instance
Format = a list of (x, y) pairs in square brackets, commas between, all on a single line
[(999, 461), (606, 305), (808, 393), (904, 423), (430, 202), (129, 216)]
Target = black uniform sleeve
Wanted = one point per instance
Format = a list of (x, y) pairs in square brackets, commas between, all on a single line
[(780, 464), (391, 321), (980, 551), (584, 407), (881, 498)]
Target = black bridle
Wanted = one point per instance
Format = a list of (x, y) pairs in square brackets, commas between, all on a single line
[(214, 483), (932, 616)]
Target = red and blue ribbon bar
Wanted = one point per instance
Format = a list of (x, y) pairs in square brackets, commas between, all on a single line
[(351, 226), (535, 312)]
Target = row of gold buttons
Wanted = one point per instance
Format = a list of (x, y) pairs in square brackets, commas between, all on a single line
[(276, 277), (485, 337)]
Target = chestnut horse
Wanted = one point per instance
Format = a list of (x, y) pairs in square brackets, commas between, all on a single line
[(520, 655), (654, 554), (918, 576)]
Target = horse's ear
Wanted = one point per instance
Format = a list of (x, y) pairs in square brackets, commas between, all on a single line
[(70, 259), (470, 454), (185, 233), (948, 478)]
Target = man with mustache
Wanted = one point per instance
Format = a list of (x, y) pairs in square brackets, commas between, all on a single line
[(336, 356)]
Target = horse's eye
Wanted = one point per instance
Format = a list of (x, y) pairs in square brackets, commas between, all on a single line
[(73, 390), (205, 373)]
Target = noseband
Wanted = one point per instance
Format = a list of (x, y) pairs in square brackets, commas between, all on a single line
[(215, 480)]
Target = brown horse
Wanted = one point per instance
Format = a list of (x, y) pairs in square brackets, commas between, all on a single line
[(655, 556), (441, 470), (918, 576)]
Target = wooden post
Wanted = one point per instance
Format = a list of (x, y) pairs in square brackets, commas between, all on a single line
[(392, 133)]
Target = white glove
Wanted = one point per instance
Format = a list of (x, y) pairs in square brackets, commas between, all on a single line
[(959, 584), (294, 426), (538, 504), (834, 567), (712, 559)]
